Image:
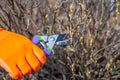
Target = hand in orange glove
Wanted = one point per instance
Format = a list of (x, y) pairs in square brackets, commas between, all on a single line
[(18, 55)]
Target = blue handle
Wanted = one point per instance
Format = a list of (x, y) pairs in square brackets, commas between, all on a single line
[(35, 39), (47, 52)]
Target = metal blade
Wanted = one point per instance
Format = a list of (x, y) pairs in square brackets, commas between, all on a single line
[(63, 43), (61, 37)]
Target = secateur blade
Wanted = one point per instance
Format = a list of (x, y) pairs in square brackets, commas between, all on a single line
[(57, 40), (63, 43)]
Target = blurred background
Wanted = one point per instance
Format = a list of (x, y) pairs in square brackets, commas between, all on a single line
[(92, 25)]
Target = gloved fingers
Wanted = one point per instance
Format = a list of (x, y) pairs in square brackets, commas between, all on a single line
[(11, 68), (24, 66), (33, 61), (39, 54)]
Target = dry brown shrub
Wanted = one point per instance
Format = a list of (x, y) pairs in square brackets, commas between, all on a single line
[(92, 25)]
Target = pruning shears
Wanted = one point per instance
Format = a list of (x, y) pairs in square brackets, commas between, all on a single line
[(48, 42)]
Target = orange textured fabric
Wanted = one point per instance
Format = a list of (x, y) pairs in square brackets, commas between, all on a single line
[(18, 55)]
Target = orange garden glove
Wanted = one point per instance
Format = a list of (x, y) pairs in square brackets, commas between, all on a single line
[(18, 55)]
